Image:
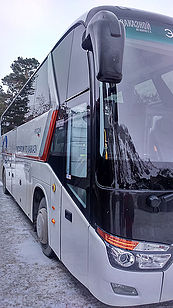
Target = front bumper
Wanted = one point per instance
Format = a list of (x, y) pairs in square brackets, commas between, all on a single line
[(152, 287)]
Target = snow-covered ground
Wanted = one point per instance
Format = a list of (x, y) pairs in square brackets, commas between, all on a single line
[(27, 277)]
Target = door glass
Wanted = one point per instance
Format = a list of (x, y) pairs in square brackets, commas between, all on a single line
[(77, 142)]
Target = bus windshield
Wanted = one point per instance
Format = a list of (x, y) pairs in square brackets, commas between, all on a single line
[(136, 120)]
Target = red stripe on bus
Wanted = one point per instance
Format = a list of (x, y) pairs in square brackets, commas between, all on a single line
[(47, 144), (28, 156), (49, 136)]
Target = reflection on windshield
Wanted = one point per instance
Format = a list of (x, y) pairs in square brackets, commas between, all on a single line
[(136, 148), (134, 173), (120, 164)]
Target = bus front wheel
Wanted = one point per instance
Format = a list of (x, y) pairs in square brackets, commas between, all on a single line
[(42, 228)]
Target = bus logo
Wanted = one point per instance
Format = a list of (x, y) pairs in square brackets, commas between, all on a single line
[(169, 33)]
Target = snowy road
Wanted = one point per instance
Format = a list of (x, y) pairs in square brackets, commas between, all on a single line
[(27, 277)]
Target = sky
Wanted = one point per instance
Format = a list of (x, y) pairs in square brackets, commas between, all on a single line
[(30, 28)]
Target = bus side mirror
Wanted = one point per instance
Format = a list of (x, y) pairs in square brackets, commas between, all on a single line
[(105, 37)]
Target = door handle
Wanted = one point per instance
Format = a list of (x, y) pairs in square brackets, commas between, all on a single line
[(68, 215)]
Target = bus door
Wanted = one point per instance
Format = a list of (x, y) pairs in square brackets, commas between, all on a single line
[(20, 183), (75, 194)]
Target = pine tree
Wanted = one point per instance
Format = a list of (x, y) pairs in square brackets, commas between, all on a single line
[(22, 69), (3, 99)]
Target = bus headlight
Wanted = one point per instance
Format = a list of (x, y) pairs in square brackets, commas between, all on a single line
[(134, 255), (152, 261), (123, 258)]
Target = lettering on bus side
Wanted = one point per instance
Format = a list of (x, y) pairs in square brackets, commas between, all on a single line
[(29, 149), (142, 26)]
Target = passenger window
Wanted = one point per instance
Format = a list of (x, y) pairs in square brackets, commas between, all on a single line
[(38, 93), (57, 147), (78, 74), (32, 101), (61, 59), (57, 156), (42, 95)]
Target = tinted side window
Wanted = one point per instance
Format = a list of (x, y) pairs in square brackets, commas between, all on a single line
[(42, 101), (19, 111), (58, 148), (38, 96), (78, 74), (58, 142), (31, 102), (61, 59)]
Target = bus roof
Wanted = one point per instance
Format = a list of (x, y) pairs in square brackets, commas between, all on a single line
[(123, 13), (126, 13)]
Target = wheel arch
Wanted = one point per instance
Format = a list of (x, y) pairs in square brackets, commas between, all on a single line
[(38, 193)]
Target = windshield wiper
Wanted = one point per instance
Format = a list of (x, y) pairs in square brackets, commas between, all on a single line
[(166, 198), (154, 201)]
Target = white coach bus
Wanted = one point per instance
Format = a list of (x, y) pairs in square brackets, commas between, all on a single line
[(88, 154)]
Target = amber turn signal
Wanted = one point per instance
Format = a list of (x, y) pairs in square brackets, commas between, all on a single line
[(54, 187), (116, 241)]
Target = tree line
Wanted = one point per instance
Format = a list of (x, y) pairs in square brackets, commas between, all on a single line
[(22, 70)]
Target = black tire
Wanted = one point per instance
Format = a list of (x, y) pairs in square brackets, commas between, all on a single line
[(42, 228), (5, 190)]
